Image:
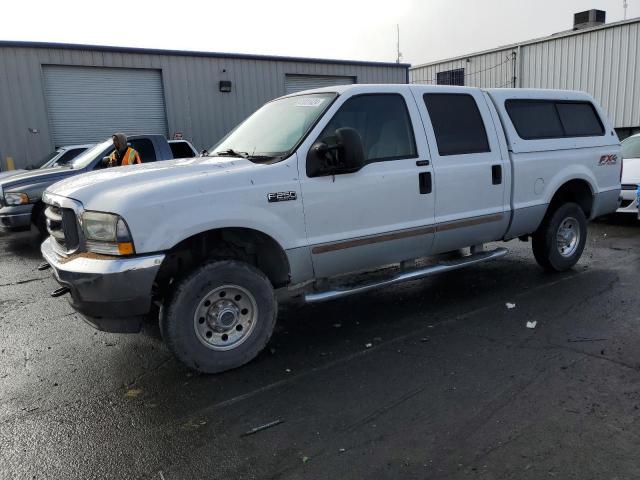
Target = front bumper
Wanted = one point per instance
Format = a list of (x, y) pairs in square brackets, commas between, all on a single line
[(113, 295), (629, 202), (15, 219)]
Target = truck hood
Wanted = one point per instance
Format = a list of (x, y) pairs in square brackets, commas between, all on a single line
[(631, 170), (113, 187), (33, 177)]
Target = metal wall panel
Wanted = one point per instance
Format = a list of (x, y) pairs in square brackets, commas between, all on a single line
[(88, 104), (298, 83), (194, 105), (605, 62)]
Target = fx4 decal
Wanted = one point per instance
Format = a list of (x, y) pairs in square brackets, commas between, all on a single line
[(608, 160), (282, 196)]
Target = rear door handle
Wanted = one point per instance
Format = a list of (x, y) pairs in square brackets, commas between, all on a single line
[(424, 181), (496, 174)]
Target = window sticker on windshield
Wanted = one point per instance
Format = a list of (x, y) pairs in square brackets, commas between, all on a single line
[(309, 102)]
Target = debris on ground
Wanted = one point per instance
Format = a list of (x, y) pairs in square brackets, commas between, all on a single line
[(532, 324), (133, 392), (342, 450), (510, 305), (305, 459), (368, 345), (288, 370), (337, 325), (578, 340), (424, 339), (262, 427)]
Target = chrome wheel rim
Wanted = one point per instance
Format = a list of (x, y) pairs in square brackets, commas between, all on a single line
[(225, 317), (568, 237)]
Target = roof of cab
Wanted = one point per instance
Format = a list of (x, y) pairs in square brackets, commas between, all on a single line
[(497, 93)]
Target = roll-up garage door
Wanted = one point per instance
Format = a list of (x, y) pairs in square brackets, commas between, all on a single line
[(87, 104), (298, 83)]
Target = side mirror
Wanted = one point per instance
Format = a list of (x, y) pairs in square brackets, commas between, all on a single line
[(347, 156)]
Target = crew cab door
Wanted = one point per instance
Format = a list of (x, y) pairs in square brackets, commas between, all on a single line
[(470, 165), (384, 212)]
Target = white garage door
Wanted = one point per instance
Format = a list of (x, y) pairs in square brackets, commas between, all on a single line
[(87, 104), (298, 83)]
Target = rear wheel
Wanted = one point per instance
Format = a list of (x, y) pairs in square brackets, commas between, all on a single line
[(220, 316), (39, 219), (559, 241)]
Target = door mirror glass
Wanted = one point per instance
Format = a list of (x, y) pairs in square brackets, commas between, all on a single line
[(345, 156)]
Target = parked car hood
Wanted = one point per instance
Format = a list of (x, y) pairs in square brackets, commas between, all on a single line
[(631, 170), (33, 177), (106, 189), (9, 173)]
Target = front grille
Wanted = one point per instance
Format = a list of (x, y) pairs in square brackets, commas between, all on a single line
[(629, 186), (63, 227)]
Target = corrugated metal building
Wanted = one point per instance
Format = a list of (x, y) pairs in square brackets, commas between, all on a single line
[(603, 60), (60, 94)]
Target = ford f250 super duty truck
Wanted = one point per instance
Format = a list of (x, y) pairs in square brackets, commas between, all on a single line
[(324, 183), (21, 194)]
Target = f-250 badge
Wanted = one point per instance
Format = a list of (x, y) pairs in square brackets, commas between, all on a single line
[(282, 196), (608, 160)]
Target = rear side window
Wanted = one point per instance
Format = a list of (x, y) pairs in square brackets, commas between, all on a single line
[(383, 122), (145, 149), (181, 150), (540, 119), (457, 123)]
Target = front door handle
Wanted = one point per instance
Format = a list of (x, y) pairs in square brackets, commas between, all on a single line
[(424, 181), (496, 174)]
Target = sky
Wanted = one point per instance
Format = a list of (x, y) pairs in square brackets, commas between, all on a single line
[(341, 29)]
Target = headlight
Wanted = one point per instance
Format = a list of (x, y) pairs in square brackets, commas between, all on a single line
[(16, 198), (106, 233)]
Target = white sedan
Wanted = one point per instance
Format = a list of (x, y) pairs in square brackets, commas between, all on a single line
[(630, 174)]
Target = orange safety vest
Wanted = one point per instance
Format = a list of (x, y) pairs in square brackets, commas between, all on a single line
[(130, 157)]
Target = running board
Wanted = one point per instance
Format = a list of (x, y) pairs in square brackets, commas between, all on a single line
[(315, 297)]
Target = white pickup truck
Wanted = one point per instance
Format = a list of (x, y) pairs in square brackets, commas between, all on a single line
[(321, 184)]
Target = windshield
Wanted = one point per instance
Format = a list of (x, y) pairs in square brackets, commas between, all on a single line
[(275, 129), (86, 157), (631, 147), (44, 160)]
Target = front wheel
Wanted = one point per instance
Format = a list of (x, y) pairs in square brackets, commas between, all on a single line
[(559, 241), (220, 316)]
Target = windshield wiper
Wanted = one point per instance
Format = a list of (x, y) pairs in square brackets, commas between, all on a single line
[(230, 152)]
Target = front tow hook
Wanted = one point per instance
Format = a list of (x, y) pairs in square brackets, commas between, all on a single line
[(60, 291)]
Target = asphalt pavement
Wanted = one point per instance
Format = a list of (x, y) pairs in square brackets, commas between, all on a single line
[(433, 379)]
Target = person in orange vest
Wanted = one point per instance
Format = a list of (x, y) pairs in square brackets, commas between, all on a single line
[(123, 154)]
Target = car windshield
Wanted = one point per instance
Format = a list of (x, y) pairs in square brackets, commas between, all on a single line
[(275, 129), (42, 163), (86, 157), (631, 147)]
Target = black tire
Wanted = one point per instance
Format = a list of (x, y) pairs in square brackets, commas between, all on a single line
[(545, 243), (178, 323), (39, 220)]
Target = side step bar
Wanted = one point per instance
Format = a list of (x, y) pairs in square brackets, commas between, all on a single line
[(314, 297)]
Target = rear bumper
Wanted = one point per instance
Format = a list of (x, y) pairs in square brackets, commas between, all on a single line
[(112, 295)]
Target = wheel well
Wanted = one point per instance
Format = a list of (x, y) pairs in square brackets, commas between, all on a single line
[(577, 191), (247, 245)]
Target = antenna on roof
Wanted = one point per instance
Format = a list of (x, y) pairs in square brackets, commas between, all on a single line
[(625, 5), (399, 57)]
